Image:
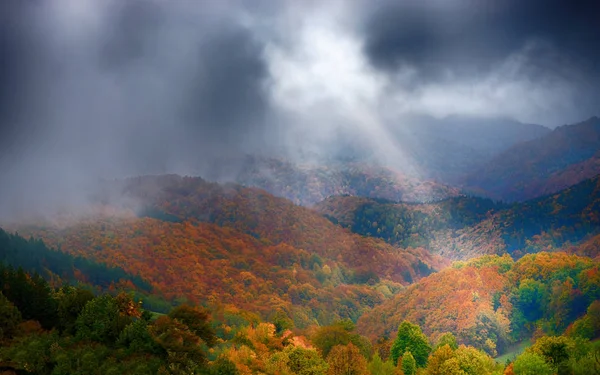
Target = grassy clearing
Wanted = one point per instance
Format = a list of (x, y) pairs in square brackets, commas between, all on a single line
[(513, 351)]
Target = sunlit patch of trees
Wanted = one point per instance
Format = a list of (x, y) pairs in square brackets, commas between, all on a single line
[(492, 301)]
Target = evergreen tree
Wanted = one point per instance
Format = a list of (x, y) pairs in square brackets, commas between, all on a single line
[(409, 365), (411, 338)]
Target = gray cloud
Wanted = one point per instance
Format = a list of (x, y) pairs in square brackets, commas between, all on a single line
[(467, 36), (93, 88), (106, 89), (550, 45)]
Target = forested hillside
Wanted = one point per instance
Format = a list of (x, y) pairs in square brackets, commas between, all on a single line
[(491, 302), (464, 227), (68, 330), (210, 242), (34, 256)]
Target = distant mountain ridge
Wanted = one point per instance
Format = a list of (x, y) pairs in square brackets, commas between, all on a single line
[(422, 159), (446, 149), (564, 157), (309, 183)]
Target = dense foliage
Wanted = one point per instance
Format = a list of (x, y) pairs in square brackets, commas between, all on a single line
[(492, 301), (34, 256)]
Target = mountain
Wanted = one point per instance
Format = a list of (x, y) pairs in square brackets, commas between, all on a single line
[(416, 159), (464, 227), (307, 184), (446, 149), (210, 242), (564, 157), (492, 301)]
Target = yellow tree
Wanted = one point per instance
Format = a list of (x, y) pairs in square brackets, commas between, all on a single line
[(346, 360)]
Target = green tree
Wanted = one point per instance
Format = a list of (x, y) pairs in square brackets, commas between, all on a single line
[(473, 361), (181, 347), (447, 339), (136, 338), (378, 367), (438, 358), (531, 364), (223, 366), (532, 299), (31, 353), (10, 317), (101, 321), (411, 338), (556, 350), (282, 321), (340, 333), (70, 303), (305, 362), (198, 321), (409, 365)]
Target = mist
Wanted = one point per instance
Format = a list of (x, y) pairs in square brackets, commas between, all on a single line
[(94, 89)]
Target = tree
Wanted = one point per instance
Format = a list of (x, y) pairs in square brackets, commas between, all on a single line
[(100, 320), (346, 360), (198, 321), (440, 356), (409, 365), (136, 338), (447, 339), (223, 366), (305, 362), (556, 351), (473, 361), (532, 298), (466, 360), (282, 321), (71, 302), (180, 345), (340, 333), (10, 317), (411, 338), (378, 367), (530, 363)]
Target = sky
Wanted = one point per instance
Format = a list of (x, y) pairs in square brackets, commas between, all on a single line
[(111, 88)]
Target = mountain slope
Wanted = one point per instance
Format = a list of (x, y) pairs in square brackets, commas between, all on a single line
[(307, 184), (464, 227), (446, 149), (491, 301), (564, 157), (233, 244), (34, 256)]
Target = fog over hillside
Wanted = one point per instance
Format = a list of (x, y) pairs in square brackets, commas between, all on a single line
[(95, 89)]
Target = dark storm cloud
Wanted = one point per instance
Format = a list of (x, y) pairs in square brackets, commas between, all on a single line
[(229, 89), (19, 66), (467, 36), (546, 52)]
